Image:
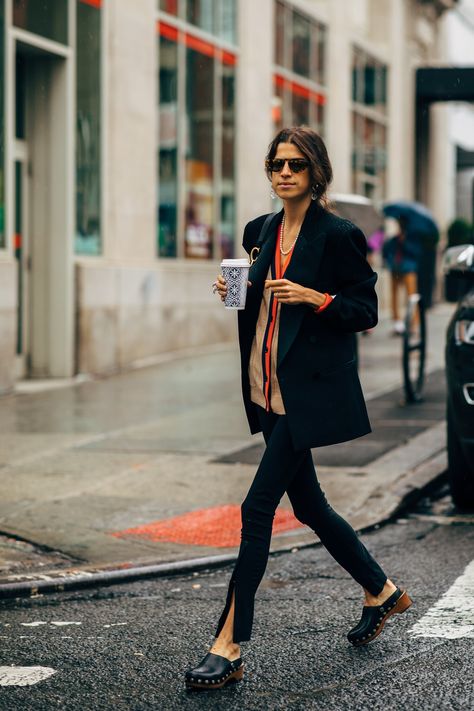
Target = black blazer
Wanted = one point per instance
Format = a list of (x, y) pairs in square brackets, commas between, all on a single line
[(316, 364)]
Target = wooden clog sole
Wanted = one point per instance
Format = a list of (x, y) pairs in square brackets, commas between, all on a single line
[(402, 604), (237, 675)]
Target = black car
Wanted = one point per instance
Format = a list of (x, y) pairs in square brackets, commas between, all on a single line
[(459, 263)]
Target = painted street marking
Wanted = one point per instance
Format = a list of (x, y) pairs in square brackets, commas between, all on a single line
[(115, 624), (57, 623), (452, 617), (24, 676)]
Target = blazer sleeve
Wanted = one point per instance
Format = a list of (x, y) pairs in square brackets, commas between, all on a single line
[(354, 307)]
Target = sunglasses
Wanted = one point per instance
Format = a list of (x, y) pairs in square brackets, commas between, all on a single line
[(296, 165)]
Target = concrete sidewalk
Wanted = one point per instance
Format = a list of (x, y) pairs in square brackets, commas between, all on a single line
[(151, 466)]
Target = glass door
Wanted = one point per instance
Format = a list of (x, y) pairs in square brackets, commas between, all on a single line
[(22, 255)]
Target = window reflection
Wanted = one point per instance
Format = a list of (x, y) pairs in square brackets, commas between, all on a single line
[(197, 85), (227, 21), (227, 221), (202, 14), (169, 6), (369, 92), (300, 110), (301, 45), (88, 150), (168, 151), (369, 80), (199, 155), (47, 18)]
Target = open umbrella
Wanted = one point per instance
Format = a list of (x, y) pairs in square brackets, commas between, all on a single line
[(420, 221), (422, 230)]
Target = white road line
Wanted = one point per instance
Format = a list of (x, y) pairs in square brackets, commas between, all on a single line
[(452, 617), (24, 676)]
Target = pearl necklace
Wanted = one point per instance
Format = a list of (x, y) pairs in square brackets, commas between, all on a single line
[(281, 238)]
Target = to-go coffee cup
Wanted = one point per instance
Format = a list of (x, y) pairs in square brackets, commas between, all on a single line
[(235, 272)]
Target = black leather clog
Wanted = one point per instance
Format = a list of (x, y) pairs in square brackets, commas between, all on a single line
[(374, 617), (213, 672)]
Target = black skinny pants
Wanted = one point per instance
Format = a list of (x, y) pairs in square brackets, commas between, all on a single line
[(284, 469)]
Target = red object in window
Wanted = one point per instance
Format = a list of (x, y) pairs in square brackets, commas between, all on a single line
[(299, 89), (218, 526), (167, 31), (200, 45), (93, 3), (228, 58)]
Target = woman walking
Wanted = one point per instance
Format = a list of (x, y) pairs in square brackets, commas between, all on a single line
[(310, 290)]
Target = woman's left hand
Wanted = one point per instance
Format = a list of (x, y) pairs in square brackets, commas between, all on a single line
[(287, 292)]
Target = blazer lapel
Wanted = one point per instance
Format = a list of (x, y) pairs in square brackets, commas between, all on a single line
[(302, 269)]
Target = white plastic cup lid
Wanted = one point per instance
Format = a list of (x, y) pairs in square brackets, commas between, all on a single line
[(235, 263)]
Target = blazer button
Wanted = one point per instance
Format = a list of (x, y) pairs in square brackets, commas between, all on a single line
[(312, 339)]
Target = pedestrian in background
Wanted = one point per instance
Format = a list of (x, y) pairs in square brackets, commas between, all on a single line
[(311, 288), (401, 255)]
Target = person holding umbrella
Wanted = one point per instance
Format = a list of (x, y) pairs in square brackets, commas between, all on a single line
[(401, 256), (421, 235)]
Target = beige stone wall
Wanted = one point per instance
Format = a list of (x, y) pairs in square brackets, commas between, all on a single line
[(127, 314), (8, 317)]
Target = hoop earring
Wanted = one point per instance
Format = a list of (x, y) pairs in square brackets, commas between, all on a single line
[(273, 194), (314, 194)]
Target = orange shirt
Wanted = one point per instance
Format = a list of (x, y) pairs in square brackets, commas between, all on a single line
[(264, 387)]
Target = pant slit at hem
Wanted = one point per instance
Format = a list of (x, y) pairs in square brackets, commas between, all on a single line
[(237, 636)]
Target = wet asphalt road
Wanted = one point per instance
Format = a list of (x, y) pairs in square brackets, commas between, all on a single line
[(129, 644)]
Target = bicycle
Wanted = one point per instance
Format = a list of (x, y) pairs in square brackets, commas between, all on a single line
[(414, 349)]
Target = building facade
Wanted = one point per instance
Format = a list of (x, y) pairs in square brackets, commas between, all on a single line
[(132, 148)]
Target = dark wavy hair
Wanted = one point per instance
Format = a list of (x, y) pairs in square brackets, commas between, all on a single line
[(313, 148)]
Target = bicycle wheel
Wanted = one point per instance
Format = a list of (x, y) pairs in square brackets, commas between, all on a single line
[(414, 349)]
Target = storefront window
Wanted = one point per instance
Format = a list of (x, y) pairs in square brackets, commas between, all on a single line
[(2, 126), (196, 153), (217, 17), (369, 131), (300, 44), (88, 144), (168, 149), (368, 157), (199, 155), (169, 6), (300, 110), (227, 207), (227, 20), (369, 81), (202, 14), (47, 18)]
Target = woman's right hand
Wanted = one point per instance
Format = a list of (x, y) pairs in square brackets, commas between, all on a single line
[(221, 286)]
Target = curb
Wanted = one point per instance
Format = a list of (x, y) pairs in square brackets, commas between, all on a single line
[(409, 488)]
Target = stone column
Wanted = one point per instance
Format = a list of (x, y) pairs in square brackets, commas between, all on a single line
[(254, 120), (129, 93), (338, 120), (401, 102)]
